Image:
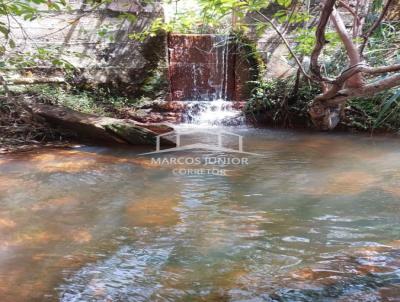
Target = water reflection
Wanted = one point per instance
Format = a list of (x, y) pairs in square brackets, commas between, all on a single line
[(314, 218)]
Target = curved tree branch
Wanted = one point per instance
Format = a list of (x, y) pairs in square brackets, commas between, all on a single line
[(350, 10), (348, 73), (369, 89), (326, 12), (356, 79)]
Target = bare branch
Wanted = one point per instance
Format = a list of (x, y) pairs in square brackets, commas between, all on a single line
[(375, 25), (382, 69), (356, 20), (349, 72), (326, 12), (351, 11), (286, 44), (287, 23), (362, 12), (363, 67), (369, 89)]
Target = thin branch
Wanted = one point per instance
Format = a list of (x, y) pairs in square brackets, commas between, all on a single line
[(326, 12), (351, 11), (287, 23), (24, 32), (374, 26), (356, 20), (286, 44)]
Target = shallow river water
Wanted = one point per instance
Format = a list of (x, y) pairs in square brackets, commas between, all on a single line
[(312, 217)]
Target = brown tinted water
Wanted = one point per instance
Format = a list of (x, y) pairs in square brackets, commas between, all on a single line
[(314, 217)]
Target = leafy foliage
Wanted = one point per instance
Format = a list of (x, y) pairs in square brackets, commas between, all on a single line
[(216, 16), (101, 101), (381, 112), (389, 108), (34, 58), (275, 102), (11, 12), (26, 9)]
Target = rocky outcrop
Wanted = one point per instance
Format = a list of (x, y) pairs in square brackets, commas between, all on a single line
[(95, 39)]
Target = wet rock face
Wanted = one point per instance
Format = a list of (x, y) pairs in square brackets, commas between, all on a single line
[(210, 67), (201, 67), (149, 116), (205, 70)]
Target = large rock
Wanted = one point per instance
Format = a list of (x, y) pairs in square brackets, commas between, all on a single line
[(97, 42), (96, 129)]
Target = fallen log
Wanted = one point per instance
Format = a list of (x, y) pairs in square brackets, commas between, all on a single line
[(97, 129)]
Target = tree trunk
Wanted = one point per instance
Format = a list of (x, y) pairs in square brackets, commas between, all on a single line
[(352, 52), (326, 108)]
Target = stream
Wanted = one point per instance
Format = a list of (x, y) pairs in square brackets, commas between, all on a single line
[(307, 217)]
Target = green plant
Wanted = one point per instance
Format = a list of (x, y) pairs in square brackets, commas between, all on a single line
[(26, 9), (11, 13), (389, 109), (264, 96), (155, 84), (100, 101), (276, 102)]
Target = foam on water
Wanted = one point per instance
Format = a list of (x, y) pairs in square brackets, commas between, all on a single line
[(211, 113)]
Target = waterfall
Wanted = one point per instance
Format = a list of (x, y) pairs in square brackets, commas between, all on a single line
[(212, 103), (211, 112)]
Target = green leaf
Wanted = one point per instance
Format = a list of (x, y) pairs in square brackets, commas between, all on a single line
[(284, 3), (386, 106), (11, 43), (5, 31)]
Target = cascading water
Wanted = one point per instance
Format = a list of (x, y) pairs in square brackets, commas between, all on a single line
[(214, 108), (211, 112), (202, 76)]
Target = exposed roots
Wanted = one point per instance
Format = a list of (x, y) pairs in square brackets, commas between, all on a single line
[(324, 116)]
